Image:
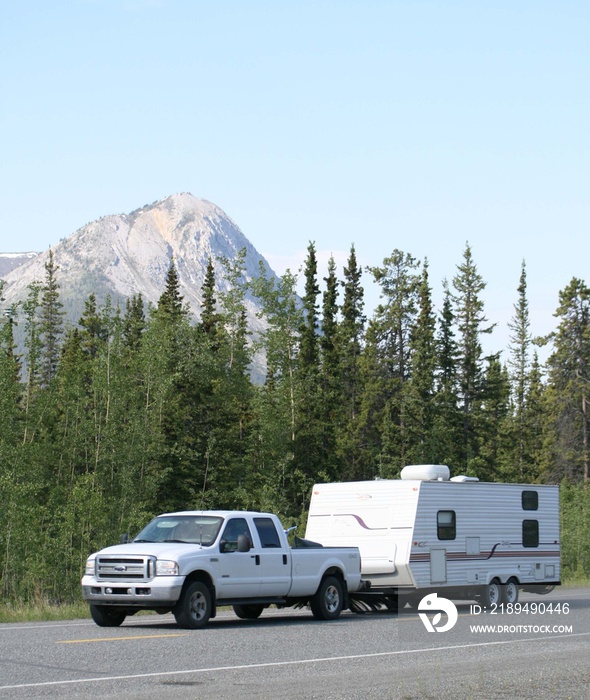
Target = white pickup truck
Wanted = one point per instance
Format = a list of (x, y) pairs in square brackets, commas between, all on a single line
[(192, 561)]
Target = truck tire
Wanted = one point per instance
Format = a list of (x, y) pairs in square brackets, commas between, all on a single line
[(328, 601), (491, 594), (194, 608), (105, 616), (248, 612), (510, 592)]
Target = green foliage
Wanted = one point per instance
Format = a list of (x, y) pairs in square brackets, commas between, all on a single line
[(127, 415)]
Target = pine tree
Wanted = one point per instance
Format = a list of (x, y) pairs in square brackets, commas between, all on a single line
[(331, 397), (569, 376), (447, 421), (393, 324), (519, 363), (170, 303), (470, 318), (419, 397), (51, 321), (278, 400), (308, 350), (493, 423), (350, 336), (209, 316), (94, 332), (133, 322)]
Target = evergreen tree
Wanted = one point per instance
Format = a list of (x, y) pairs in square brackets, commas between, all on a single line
[(447, 422), (470, 319), (309, 457), (278, 400), (51, 321), (520, 466), (569, 375), (94, 332), (493, 423), (209, 315), (420, 390), (350, 342), (133, 322), (170, 303), (393, 325), (330, 399), (537, 429), (308, 352), (33, 349)]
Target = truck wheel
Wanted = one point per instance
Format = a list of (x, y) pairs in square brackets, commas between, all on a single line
[(328, 601), (491, 594), (193, 610), (510, 592), (107, 617), (248, 612)]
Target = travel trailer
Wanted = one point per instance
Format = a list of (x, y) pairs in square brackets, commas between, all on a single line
[(458, 536)]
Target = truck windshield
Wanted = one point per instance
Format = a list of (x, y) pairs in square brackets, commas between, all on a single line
[(192, 529)]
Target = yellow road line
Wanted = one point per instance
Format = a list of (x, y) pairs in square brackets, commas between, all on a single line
[(120, 639)]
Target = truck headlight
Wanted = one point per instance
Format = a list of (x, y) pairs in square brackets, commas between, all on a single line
[(89, 571), (166, 568)]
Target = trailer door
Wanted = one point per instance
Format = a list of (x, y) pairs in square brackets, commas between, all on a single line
[(438, 565)]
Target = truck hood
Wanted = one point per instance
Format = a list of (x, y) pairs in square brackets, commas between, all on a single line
[(161, 550)]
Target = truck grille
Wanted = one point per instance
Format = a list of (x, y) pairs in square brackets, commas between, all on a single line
[(125, 568)]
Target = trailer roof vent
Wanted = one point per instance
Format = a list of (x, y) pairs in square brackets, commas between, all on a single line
[(426, 472), (463, 478)]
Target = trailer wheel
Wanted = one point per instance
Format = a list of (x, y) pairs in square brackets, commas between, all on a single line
[(491, 594), (194, 608), (248, 612), (328, 601), (107, 617), (510, 592)]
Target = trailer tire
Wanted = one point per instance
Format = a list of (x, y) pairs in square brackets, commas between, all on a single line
[(248, 612), (104, 616), (194, 608), (492, 593), (328, 601), (510, 592)]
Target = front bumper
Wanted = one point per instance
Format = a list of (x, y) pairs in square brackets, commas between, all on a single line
[(157, 592)]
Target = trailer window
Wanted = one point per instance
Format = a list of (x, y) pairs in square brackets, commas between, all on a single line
[(445, 525), (530, 533), (269, 537), (530, 500)]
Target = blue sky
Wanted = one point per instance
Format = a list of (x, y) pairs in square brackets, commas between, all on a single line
[(415, 125)]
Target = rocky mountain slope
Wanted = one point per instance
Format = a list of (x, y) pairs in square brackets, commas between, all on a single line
[(10, 261), (125, 254)]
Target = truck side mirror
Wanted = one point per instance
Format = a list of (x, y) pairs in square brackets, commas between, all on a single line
[(124, 538), (243, 543)]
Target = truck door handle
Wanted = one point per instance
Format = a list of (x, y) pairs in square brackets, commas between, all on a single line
[(284, 559), (256, 557)]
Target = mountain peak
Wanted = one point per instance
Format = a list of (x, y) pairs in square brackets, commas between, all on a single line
[(121, 255)]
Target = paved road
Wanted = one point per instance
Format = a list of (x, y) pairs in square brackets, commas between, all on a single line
[(287, 654)]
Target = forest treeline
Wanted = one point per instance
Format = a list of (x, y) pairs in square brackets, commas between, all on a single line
[(136, 411)]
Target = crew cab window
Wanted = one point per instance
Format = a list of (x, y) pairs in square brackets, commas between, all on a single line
[(233, 529), (530, 533), (269, 537), (445, 525)]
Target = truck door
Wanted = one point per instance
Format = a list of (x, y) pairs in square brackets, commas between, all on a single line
[(275, 560), (239, 571)]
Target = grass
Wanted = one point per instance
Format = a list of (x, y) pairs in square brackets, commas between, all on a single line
[(43, 611)]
